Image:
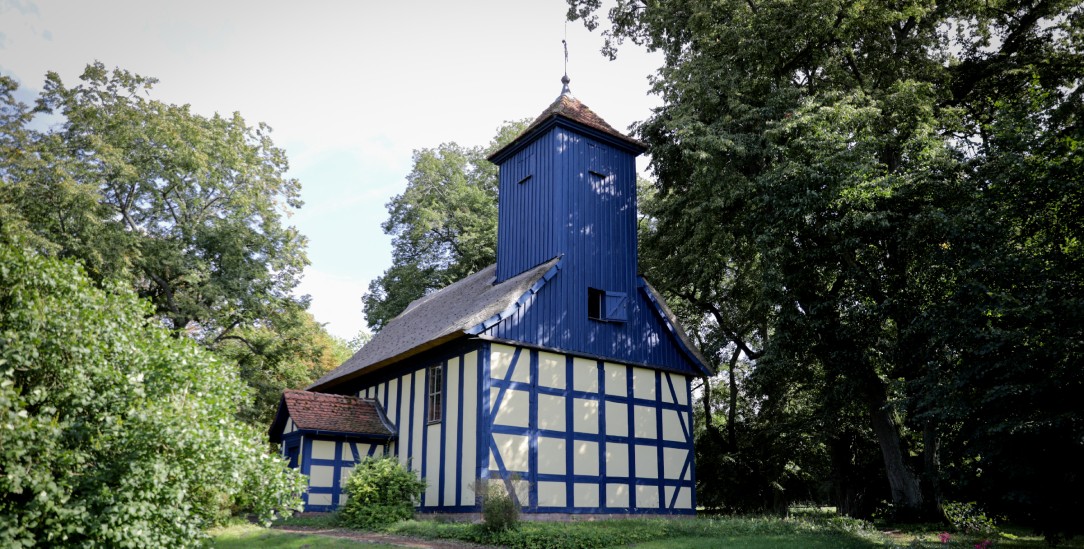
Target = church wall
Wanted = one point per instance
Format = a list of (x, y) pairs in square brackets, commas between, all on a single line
[(570, 434), (588, 436), (442, 453)]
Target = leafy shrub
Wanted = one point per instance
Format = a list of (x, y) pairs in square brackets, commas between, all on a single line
[(116, 433), (500, 511), (969, 518), (380, 492)]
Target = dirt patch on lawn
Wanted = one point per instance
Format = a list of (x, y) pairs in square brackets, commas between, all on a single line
[(390, 539)]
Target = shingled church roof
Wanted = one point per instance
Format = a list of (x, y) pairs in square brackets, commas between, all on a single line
[(449, 313)]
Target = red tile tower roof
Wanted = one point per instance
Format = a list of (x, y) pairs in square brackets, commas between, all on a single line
[(568, 107)]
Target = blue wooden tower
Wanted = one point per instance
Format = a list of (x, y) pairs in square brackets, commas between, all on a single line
[(568, 190)]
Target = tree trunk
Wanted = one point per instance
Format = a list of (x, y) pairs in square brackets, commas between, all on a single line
[(707, 404), (931, 455), (732, 410), (906, 492)]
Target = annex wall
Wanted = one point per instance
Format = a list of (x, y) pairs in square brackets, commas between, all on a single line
[(327, 461)]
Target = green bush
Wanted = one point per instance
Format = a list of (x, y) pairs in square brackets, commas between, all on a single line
[(500, 511), (114, 432), (380, 491), (969, 518)]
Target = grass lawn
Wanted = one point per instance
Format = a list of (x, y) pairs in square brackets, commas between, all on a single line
[(802, 531), (661, 533), (249, 535)]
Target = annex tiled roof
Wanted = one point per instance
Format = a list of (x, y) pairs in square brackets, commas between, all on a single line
[(441, 316), (338, 413), (571, 108)]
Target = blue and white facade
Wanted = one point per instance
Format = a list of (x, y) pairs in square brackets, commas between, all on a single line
[(559, 371)]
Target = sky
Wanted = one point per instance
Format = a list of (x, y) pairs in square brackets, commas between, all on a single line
[(350, 89)]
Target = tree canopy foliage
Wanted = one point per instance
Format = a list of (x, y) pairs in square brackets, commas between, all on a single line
[(115, 433), (879, 203), (189, 211), (443, 226)]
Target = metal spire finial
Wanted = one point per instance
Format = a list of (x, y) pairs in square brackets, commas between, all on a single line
[(564, 79)]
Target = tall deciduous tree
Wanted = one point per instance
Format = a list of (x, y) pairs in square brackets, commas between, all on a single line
[(189, 211), (443, 226), (194, 205), (860, 184)]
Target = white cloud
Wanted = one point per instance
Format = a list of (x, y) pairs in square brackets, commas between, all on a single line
[(336, 301)]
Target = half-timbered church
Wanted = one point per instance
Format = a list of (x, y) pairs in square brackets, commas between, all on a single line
[(558, 370)]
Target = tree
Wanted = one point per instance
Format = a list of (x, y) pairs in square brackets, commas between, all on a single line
[(443, 226), (188, 211), (290, 352), (833, 174), (192, 207), (116, 433)]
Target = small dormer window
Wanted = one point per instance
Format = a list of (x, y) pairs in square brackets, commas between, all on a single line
[(607, 306)]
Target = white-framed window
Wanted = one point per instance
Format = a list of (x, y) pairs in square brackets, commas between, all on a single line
[(436, 392)]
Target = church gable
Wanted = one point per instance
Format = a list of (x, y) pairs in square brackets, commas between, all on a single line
[(634, 327)]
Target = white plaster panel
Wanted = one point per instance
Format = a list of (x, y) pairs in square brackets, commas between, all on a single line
[(617, 495), (348, 450), (647, 497), (289, 426), (551, 412), (419, 419), (584, 457), (393, 401), (643, 383), (585, 375), (319, 499), (665, 388), (523, 490), (321, 475), (671, 426), (500, 360), (432, 465), (342, 498), (684, 498), (323, 449), (451, 436), (515, 409), (379, 396), (344, 474), (647, 462), (551, 370), (617, 419), (470, 422), (551, 494), (681, 388), (551, 456), (646, 422), (586, 495), (514, 450), (617, 459), (616, 379), (585, 415), (673, 460)]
